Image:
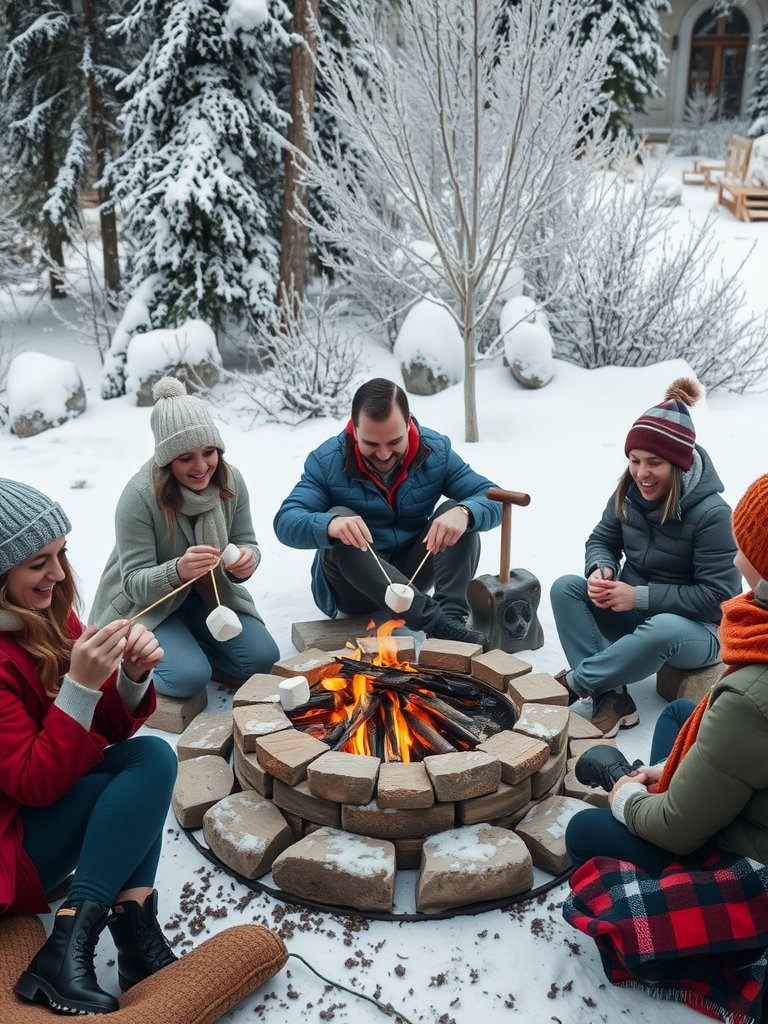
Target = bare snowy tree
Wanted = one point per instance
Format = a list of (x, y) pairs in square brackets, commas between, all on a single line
[(467, 124)]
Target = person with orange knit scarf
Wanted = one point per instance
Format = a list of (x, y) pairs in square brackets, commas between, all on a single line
[(707, 782)]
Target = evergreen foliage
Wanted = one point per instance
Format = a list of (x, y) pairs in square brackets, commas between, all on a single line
[(201, 147), (758, 100)]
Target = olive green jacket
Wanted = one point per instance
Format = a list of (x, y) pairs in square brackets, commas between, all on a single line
[(720, 789), (142, 566)]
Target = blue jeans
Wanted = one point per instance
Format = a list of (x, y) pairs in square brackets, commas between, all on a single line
[(607, 649), (108, 828), (596, 833), (191, 652)]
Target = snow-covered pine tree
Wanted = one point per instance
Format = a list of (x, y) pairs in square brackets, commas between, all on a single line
[(55, 88), (637, 58), (200, 137), (758, 100)]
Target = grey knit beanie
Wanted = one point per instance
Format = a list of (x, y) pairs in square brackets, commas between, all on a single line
[(28, 521), (180, 422)]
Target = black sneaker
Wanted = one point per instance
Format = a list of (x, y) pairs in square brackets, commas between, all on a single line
[(446, 628), (614, 710), (603, 765)]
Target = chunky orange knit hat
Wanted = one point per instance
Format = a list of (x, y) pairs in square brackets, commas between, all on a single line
[(750, 525)]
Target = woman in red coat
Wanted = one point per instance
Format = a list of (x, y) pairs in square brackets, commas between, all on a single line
[(76, 793)]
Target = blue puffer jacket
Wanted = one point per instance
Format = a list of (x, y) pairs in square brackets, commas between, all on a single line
[(683, 566), (332, 477)]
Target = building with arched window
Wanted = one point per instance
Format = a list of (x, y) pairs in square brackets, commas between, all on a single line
[(710, 48)]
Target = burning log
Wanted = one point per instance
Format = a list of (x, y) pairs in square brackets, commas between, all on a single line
[(339, 736), (448, 720), (430, 737), (422, 680)]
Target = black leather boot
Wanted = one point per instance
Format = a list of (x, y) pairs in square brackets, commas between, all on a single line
[(61, 975), (603, 765), (142, 949)]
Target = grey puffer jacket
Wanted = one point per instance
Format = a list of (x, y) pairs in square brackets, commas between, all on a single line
[(683, 566)]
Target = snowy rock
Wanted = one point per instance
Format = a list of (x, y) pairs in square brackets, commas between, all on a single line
[(201, 782), (543, 832), (546, 722), (527, 342), (255, 720), (404, 786), (667, 191), (346, 778), (470, 865), (340, 869), (520, 756), (463, 775), (536, 688), (43, 392), (188, 353), (430, 349), (210, 733), (287, 754), (246, 832)]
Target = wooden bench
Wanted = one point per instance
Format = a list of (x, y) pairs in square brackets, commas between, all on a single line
[(691, 684), (733, 167), (746, 202)]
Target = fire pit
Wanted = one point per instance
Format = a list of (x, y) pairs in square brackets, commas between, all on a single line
[(389, 709)]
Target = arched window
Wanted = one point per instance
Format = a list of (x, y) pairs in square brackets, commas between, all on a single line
[(718, 57)]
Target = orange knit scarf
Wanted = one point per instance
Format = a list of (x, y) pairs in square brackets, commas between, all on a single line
[(743, 641)]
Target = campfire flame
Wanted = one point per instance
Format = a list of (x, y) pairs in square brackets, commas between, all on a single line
[(390, 717)]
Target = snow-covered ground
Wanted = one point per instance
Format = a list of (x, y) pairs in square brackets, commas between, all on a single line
[(564, 445)]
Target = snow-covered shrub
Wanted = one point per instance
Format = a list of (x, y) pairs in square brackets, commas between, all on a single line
[(312, 361), (43, 392), (429, 348), (527, 342), (135, 318), (700, 133), (636, 296), (667, 191), (758, 100), (188, 352)]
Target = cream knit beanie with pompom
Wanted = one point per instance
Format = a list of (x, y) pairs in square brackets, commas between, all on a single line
[(180, 422)]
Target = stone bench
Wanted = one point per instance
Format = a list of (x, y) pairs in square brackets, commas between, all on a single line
[(692, 684)]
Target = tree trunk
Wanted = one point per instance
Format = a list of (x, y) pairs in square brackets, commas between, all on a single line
[(295, 236), (107, 217), (470, 401), (54, 234)]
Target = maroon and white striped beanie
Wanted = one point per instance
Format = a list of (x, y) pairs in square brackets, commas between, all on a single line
[(667, 429)]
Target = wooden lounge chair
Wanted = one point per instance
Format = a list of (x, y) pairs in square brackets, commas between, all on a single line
[(705, 171), (746, 196)]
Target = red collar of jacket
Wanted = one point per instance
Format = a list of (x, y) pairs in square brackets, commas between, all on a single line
[(415, 453)]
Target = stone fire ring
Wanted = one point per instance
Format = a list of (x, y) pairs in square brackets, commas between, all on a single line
[(334, 828)]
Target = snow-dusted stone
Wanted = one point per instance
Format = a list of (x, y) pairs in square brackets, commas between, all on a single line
[(498, 804), (346, 778), (250, 774), (537, 688), (404, 786), (340, 869), (287, 754), (498, 669), (578, 747), (174, 715), (551, 774), (543, 832), (43, 392), (463, 775), (246, 832), (548, 722), (667, 191), (594, 795), (200, 783), (255, 720), (528, 346), (187, 352), (300, 801), (470, 865), (261, 688), (520, 755), (691, 684), (313, 663), (210, 733), (448, 655), (580, 728), (390, 823), (430, 349)]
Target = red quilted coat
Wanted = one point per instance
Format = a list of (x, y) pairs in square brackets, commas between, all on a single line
[(43, 753)]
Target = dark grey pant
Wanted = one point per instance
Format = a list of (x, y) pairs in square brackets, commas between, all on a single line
[(358, 584)]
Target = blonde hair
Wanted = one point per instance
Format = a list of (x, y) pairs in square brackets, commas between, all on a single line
[(45, 634), (674, 494)]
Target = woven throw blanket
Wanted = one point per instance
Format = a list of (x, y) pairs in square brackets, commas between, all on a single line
[(698, 934)]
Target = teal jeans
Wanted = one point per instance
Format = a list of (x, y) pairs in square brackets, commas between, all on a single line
[(607, 649)]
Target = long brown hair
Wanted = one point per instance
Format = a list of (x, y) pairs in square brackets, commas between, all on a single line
[(44, 634), (674, 494), (168, 489)]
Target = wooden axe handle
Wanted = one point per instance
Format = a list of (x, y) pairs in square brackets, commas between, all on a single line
[(508, 499)]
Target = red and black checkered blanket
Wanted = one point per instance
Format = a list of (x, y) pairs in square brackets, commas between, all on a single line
[(697, 934)]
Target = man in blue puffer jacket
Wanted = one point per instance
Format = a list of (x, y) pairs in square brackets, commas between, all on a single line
[(376, 485)]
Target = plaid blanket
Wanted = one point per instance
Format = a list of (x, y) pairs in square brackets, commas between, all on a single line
[(698, 934)]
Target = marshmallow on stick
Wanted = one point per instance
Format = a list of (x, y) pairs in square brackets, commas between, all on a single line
[(223, 623), (230, 554), (293, 692), (398, 597)]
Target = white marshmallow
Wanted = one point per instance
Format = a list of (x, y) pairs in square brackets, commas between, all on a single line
[(223, 624), (398, 597), (293, 692), (230, 554)]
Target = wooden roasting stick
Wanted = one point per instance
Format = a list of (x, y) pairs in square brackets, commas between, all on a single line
[(178, 590), (507, 498)]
